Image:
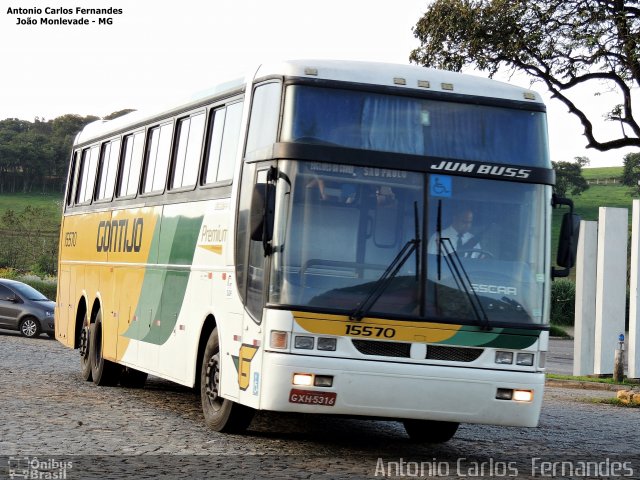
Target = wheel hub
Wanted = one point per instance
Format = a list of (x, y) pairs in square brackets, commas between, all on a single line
[(84, 342), (29, 328), (213, 379)]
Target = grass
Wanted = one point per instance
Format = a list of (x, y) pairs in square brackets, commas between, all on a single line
[(18, 201), (557, 331), (588, 204), (609, 381), (616, 402), (601, 173)]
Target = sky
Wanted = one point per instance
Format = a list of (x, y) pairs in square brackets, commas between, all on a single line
[(156, 50)]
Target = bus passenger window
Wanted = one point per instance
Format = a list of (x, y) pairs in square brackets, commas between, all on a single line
[(87, 177), (72, 183), (187, 156), (230, 142), (131, 161), (108, 169), (157, 159), (224, 139)]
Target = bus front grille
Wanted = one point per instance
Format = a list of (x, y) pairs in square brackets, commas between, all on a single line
[(385, 349), (453, 354), (403, 350)]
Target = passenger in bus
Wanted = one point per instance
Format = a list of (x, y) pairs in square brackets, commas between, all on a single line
[(457, 236)]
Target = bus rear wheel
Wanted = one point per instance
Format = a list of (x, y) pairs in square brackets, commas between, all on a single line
[(85, 359), (430, 431), (104, 372), (220, 414)]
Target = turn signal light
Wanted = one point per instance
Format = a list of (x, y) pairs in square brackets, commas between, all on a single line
[(278, 339)]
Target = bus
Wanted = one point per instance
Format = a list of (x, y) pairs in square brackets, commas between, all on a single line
[(321, 237)]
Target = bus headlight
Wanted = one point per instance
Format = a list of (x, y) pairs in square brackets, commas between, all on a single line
[(305, 343), (304, 379), (524, 359), (504, 358), (327, 344), (522, 395)]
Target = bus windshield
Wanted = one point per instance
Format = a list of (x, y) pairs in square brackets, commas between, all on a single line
[(392, 123), (480, 257)]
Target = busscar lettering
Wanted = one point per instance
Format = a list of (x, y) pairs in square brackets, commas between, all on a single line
[(118, 236), (482, 169)]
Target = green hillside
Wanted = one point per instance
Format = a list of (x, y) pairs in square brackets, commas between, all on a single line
[(601, 173), (18, 201)]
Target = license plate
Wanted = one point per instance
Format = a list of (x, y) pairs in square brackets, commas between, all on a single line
[(310, 397)]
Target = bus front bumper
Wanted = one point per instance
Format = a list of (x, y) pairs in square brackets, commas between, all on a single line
[(399, 390)]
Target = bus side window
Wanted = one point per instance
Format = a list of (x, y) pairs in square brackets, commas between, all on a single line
[(87, 175), (224, 139), (230, 142), (187, 151), (131, 162), (108, 169), (263, 127), (72, 183), (157, 158)]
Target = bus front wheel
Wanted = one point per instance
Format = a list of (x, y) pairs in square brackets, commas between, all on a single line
[(220, 414), (430, 431)]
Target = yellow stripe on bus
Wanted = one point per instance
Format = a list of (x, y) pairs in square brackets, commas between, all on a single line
[(375, 328)]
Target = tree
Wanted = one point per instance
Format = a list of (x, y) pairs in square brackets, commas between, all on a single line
[(563, 43), (631, 172), (569, 179), (119, 113)]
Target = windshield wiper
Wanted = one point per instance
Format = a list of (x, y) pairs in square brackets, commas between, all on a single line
[(460, 275), (391, 271)]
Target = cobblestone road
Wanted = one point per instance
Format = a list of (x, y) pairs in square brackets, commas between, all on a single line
[(48, 413)]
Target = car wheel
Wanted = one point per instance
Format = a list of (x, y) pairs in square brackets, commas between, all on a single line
[(84, 348), (104, 372), (29, 327), (430, 431), (220, 414), (51, 335)]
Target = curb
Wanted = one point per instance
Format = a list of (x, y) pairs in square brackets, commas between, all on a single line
[(551, 382)]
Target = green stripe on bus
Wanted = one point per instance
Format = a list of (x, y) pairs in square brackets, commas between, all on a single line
[(163, 289)]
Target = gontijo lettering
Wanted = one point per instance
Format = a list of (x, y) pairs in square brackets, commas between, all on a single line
[(119, 235)]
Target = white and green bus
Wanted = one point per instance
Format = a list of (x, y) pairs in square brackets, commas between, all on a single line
[(320, 237)]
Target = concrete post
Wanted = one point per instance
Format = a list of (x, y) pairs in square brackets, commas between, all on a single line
[(585, 312), (633, 351), (611, 285)]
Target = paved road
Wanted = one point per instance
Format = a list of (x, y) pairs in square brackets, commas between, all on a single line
[(49, 416), (560, 356)]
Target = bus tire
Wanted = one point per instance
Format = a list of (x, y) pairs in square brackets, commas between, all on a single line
[(430, 431), (220, 414), (84, 349), (104, 372), (132, 378)]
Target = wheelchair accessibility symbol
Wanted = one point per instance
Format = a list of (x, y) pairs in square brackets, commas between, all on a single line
[(440, 186)]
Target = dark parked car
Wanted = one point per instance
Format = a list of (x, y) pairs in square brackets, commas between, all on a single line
[(24, 308)]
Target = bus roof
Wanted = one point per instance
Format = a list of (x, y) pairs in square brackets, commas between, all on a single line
[(396, 75), (380, 74)]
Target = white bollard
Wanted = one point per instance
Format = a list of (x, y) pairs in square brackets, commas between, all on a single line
[(633, 353), (611, 285), (585, 310)]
